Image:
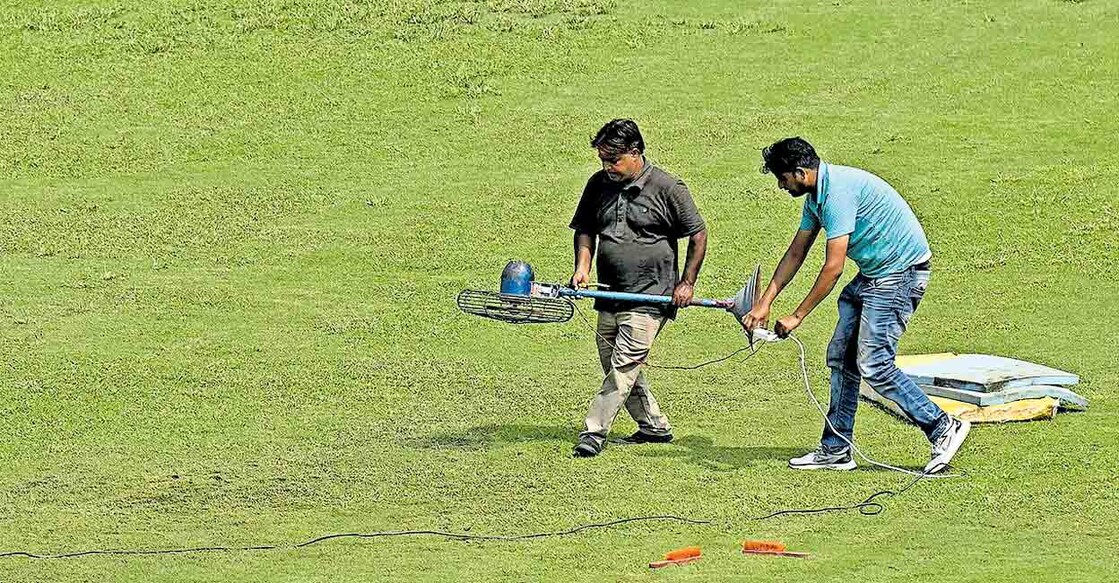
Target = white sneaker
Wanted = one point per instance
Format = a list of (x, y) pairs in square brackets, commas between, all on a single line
[(944, 448), (821, 460)]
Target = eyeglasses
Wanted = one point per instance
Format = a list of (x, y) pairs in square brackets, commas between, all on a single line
[(615, 158)]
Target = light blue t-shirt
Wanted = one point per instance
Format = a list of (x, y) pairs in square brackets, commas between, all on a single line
[(885, 234)]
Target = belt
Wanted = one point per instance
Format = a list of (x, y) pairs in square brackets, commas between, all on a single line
[(925, 265)]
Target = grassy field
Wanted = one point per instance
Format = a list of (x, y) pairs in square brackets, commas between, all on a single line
[(232, 232)]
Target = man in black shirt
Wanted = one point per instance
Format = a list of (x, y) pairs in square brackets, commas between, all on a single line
[(633, 213)]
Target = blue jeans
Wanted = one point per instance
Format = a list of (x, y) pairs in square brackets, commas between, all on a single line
[(873, 314)]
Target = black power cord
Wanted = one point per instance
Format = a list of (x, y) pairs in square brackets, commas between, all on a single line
[(362, 535), (868, 507)]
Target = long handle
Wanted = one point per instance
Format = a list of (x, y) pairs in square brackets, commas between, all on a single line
[(641, 298)]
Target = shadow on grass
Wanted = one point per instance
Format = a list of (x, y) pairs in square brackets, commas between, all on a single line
[(485, 436), (700, 450)]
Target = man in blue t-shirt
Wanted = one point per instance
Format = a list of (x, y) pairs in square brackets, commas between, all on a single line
[(867, 220)]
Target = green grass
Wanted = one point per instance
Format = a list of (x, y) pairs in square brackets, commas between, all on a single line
[(232, 233)]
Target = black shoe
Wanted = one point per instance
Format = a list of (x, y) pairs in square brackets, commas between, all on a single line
[(642, 437), (586, 447)]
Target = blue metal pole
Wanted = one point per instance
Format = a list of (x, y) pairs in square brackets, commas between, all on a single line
[(640, 298)]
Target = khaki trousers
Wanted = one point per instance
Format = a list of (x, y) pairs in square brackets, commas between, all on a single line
[(624, 340)]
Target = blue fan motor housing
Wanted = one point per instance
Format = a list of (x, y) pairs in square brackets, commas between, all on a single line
[(516, 278)]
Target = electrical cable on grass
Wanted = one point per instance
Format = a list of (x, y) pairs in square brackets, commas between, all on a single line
[(508, 538), (363, 535), (808, 389), (867, 507)]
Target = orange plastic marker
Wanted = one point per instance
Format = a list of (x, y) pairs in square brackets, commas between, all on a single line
[(684, 553), (678, 557), (765, 547)]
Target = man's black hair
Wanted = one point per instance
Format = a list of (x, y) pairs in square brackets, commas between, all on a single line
[(619, 136), (789, 154)]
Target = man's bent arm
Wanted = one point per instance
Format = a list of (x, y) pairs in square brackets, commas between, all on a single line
[(790, 264), (834, 257), (697, 249)]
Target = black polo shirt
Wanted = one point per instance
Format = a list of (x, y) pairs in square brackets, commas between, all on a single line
[(637, 224)]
